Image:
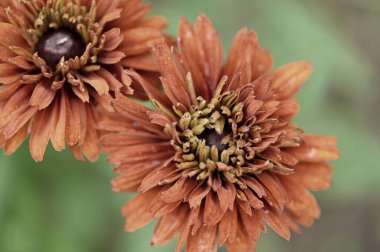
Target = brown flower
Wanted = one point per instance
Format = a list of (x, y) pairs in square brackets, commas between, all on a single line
[(60, 60), (218, 158)]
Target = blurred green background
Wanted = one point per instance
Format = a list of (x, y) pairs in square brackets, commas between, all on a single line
[(61, 205)]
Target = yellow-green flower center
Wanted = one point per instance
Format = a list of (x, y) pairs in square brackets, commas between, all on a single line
[(213, 138)]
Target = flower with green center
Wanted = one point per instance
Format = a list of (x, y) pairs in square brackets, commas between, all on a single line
[(218, 157)]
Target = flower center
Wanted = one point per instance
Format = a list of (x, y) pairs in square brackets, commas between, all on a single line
[(222, 137), (213, 138), (60, 43)]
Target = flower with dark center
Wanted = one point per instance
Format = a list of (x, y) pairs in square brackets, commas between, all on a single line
[(218, 157), (63, 61)]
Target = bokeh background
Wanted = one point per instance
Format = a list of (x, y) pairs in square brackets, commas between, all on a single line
[(61, 205)]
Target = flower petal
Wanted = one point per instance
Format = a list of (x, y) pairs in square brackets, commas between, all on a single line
[(289, 78), (42, 95)]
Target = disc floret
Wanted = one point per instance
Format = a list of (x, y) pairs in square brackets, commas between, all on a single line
[(214, 138)]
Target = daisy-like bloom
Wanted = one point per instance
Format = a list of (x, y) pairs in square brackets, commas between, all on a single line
[(60, 60), (218, 157)]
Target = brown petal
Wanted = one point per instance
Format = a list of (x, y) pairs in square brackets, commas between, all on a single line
[(173, 81), (83, 94), (252, 225), (316, 149), (159, 208), (39, 136), (253, 200), (197, 195), (104, 7), (6, 53), (9, 36), (168, 226), (242, 243), (42, 95), (252, 106), (17, 119), (153, 92), (110, 58), (153, 179), (212, 211), (136, 211), (140, 35), (179, 190), (315, 176), (110, 16), (262, 63), (275, 222), (6, 91), (141, 62), (224, 228), (97, 82), (287, 109), (114, 84), (15, 142), (255, 185), (133, 13), (113, 39), (155, 22), (202, 52), (58, 126), (302, 204), (22, 62), (203, 241), (140, 40), (234, 225), (91, 145), (9, 73), (185, 231), (73, 120), (276, 195), (159, 118), (226, 195), (289, 78)]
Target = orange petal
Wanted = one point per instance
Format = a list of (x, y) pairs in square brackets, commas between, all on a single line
[(42, 95), (58, 127), (168, 226), (136, 211), (97, 82), (203, 241), (9, 73), (275, 222), (91, 144), (289, 78), (173, 80), (141, 62), (315, 176), (276, 195), (9, 36), (14, 143), (39, 137), (179, 190)]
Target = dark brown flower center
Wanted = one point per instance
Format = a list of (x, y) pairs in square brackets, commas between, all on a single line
[(60, 43), (213, 138)]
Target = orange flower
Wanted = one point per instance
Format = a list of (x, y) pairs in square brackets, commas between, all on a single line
[(62, 59), (218, 157)]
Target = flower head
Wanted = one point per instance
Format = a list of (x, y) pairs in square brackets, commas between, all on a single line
[(60, 60), (218, 157)]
